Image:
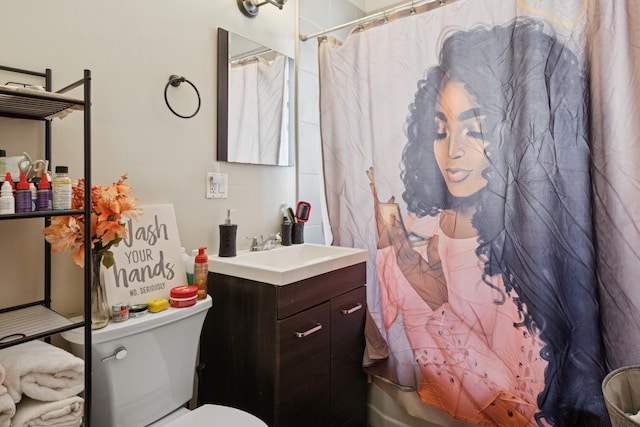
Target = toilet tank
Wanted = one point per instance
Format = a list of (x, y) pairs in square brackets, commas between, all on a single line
[(156, 375)]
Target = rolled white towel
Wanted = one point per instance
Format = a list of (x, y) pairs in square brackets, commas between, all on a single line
[(7, 409), (41, 371), (7, 405), (3, 375), (61, 413)]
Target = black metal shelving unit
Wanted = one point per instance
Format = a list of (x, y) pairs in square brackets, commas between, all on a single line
[(36, 320)]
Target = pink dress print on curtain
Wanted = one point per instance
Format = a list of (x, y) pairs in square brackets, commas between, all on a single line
[(475, 364)]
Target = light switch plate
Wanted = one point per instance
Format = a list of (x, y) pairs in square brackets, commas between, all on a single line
[(217, 185)]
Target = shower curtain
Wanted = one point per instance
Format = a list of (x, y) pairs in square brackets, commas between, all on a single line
[(485, 152), (258, 106)]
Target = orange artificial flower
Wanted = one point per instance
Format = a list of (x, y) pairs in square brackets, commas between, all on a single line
[(110, 207)]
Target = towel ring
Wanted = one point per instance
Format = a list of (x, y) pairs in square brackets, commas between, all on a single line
[(175, 81)]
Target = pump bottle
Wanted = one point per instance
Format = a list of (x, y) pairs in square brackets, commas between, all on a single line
[(228, 233), (200, 272)]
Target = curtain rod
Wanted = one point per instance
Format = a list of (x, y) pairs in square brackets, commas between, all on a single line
[(255, 52), (411, 4)]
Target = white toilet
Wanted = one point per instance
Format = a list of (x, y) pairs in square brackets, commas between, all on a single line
[(143, 372)]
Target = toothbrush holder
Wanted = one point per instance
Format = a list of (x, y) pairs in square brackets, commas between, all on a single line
[(297, 235)]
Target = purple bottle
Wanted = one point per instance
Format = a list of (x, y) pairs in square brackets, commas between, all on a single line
[(44, 194), (23, 195)]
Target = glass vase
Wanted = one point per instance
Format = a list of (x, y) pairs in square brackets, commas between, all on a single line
[(100, 313)]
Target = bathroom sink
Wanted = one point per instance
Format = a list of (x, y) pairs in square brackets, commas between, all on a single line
[(287, 264)]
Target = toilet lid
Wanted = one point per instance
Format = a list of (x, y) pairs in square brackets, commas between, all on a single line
[(216, 415)]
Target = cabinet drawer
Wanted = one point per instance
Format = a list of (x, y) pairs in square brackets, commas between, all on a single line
[(302, 385), (294, 298)]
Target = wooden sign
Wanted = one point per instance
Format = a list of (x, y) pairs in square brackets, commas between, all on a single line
[(148, 262)]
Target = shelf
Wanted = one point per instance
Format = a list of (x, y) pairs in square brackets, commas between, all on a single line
[(31, 323), (35, 320), (40, 214), (26, 103)]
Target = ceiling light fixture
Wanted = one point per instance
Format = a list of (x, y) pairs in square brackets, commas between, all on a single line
[(250, 7)]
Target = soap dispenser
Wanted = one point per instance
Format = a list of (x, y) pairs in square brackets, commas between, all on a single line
[(228, 233), (286, 231)]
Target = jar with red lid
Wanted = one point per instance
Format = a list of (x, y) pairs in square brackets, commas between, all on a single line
[(183, 296), (120, 312)]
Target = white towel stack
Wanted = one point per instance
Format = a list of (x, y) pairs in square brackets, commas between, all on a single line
[(7, 405), (49, 378), (60, 413)]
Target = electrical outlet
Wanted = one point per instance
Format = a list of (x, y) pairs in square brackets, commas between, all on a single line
[(217, 185)]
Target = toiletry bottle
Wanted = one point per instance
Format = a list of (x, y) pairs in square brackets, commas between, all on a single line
[(228, 233), (185, 257), (200, 272), (3, 163), (61, 189), (188, 261), (23, 195), (8, 178), (44, 193), (7, 201), (190, 266), (34, 196)]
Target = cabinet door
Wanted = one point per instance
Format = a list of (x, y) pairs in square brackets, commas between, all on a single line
[(348, 380), (302, 385)]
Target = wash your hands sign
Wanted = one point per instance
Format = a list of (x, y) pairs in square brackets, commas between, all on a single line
[(148, 262)]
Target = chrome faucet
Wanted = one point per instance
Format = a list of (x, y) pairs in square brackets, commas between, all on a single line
[(260, 244)]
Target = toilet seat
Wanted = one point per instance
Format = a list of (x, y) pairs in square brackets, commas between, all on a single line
[(216, 415)]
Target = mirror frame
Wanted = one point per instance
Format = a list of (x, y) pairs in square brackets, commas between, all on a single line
[(223, 94), (223, 105)]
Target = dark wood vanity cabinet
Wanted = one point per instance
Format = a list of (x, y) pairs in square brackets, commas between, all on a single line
[(291, 355)]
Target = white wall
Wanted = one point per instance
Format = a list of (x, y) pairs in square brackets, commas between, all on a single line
[(131, 48)]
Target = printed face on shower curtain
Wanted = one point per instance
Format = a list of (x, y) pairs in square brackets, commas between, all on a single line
[(499, 298), (459, 143)]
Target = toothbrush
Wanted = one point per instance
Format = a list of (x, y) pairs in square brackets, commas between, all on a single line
[(292, 217)]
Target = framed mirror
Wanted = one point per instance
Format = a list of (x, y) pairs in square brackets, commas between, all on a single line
[(255, 99)]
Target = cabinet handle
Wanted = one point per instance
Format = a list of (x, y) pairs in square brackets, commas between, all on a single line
[(353, 309), (309, 331)]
